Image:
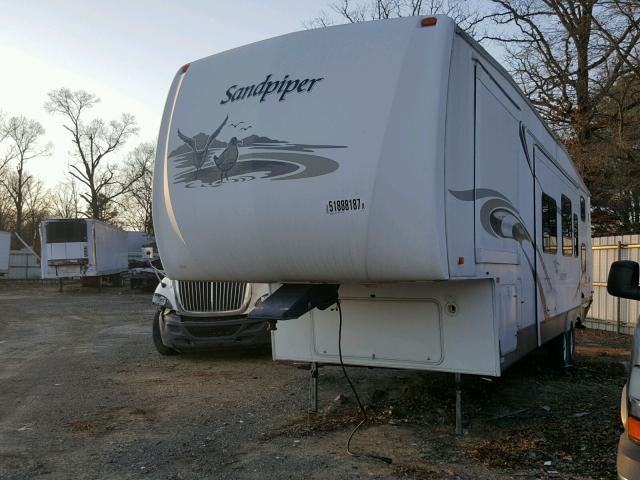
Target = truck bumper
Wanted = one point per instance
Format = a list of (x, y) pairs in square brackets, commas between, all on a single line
[(204, 333), (628, 464)]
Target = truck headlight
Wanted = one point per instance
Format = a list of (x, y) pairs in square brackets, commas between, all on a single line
[(161, 300)]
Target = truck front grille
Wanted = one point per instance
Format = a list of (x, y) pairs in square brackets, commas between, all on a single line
[(211, 297)]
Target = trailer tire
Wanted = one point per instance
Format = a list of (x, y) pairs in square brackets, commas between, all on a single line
[(157, 337), (562, 349)]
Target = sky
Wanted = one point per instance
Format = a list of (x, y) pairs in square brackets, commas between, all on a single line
[(125, 52)]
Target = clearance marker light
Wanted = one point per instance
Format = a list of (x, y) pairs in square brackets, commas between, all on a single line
[(460, 260), (184, 68), (428, 21)]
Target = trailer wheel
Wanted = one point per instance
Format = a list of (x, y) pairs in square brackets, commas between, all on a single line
[(562, 349), (157, 338)]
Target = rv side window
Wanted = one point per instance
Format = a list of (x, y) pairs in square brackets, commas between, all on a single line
[(583, 209), (549, 224), (567, 229), (583, 257), (575, 234), (66, 231)]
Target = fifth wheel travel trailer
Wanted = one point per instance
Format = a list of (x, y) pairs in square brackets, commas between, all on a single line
[(393, 166), (82, 247)]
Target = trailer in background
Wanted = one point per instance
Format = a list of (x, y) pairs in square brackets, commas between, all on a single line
[(82, 248), (5, 248), (137, 243)]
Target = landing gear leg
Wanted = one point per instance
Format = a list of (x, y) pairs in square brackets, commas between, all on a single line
[(458, 404), (313, 388)]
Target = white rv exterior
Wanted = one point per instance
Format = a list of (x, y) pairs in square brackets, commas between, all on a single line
[(82, 248), (399, 161), (5, 251)]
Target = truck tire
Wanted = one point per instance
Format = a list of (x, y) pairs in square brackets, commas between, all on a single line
[(157, 338), (561, 349)]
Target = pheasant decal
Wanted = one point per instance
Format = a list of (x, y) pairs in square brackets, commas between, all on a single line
[(199, 155)]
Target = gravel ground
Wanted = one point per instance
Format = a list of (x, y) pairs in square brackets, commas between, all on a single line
[(84, 395)]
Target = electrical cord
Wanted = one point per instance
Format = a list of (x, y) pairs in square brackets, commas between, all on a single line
[(363, 411)]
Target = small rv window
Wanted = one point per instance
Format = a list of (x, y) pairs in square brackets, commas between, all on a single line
[(66, 231), (583, 257), (567, 229), (549, 224), (583, 209), (575, 234)]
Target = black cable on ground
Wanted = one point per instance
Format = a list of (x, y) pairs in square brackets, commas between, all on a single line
[(365, 418)]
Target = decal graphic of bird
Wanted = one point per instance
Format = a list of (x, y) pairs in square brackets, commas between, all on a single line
[(200, 155), (227, 158), (235, 125), (246, 128)]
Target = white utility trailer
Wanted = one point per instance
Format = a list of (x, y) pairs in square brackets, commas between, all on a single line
[(82, 247), (395, 159), (5, 252), (138, 245)]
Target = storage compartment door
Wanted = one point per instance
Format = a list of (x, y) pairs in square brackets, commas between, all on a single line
[(508, 311), (381, 331)]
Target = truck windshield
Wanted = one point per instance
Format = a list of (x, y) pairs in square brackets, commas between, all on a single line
[(67, 231)]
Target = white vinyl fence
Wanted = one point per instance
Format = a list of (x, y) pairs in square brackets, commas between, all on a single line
[(607, 312), (23, 265)]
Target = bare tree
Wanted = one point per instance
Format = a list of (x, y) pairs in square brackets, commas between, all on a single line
[(37, 203), (6, 155), (627, 9), (614, 168), (94, 143), (567, 56), (348, 11), (65, 199), (577, 61), (7, 210), (24, 136), (9, 153), (137, 213)]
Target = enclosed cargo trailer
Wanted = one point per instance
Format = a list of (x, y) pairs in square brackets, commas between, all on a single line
[(395, 159), (82, 247)]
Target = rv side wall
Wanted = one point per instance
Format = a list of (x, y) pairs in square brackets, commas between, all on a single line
[(500, 180)]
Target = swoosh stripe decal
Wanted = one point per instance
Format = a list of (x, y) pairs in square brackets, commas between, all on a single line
[(165, 178)]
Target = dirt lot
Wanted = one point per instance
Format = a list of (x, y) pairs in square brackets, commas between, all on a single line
[(83, 394)]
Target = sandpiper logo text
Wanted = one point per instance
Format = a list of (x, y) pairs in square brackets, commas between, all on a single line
[(280, 88)]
